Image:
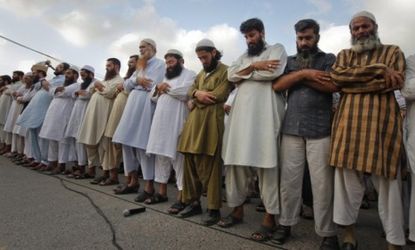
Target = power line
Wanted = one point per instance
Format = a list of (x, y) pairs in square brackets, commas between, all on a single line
[(39, 52)]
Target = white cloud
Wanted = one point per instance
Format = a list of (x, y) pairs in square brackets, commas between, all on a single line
[(323, 6), (335, 38)]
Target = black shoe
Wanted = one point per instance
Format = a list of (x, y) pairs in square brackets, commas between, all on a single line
[(330, 243), (349, 246), (211, 217), (282, 234), (191, 210)]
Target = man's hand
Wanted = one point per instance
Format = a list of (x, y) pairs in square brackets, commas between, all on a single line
[(59, 89), (120, 87), (163, 88), (227, 108), (191, 104), (99, 86), (144, 82), (317, 76), (205, 97), (393, 79), (268, 65), (45, 84)]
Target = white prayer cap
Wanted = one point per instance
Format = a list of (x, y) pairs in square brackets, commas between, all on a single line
[(74, 68), (205, 43), (173, 52), (364, 13), (150, 41), (88, 68)]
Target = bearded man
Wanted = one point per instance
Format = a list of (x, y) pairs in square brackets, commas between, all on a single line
[(169, 116), (306, 135), (367, 130), (201, 138), (251, 139), (56, 120), (34, 114), (134, 127), (91, 133)]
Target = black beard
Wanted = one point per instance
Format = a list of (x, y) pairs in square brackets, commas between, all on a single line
[(213, 64), (86, 82), (130, 72), (36, 79), (68, 82), (256, 49), (174, 72), (57, 73), (110, 75), (15, 80), (305, 56)]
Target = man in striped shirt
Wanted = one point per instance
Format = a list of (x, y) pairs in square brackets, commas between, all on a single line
[(367, 130)]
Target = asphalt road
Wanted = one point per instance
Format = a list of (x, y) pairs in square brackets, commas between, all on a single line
[(38, 212)]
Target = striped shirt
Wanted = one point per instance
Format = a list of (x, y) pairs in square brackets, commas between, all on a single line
[(367, 127)]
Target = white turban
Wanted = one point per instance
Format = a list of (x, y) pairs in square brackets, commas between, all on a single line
[(151, 42), (364, 14)]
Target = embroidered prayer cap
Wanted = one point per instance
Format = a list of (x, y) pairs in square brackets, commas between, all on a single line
[(40, 66), (205, 43), (173, 52), (364, 13), (88, 68), (151, 42)]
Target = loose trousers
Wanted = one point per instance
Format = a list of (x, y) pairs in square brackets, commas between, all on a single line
[(202, 173), (348, 194), (295, 151)]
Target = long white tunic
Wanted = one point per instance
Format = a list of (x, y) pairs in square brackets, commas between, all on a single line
[(34, 113), (251, 136), (77, 115), (134, 127), (58, 114), (15, 109), (170, 115), (409, 93), (6, 100)]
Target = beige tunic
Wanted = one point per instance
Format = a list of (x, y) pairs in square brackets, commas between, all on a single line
[(116, 113), (97, 113)]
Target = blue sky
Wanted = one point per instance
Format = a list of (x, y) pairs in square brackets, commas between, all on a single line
[(89, 31)]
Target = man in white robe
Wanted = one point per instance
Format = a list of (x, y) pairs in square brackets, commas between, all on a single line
[(169, 116), (56, 120), (6, 100), (34, 114), (82, 97), (251, 138), (134, 127)]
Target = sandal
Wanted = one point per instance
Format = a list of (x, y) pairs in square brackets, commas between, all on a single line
[(229, 221), (98, 180), (176, 207), (264, 233), (157, 198), (109, 182), (143, 196), (126, 189), (84, 176)]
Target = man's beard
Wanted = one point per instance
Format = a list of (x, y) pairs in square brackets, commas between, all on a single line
[(365, 44), (213, 64), (68, 81), (257, 48), (35, 79), (86, 82), (110, 74), (173, 72), (56, 72), (305, 56), (130, 72)]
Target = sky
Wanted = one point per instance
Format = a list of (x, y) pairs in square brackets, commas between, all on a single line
[(90, 31)]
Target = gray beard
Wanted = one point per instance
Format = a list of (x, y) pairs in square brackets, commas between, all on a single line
[(367, 44)]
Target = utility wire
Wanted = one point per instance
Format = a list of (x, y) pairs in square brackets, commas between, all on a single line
[(37, 51)]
